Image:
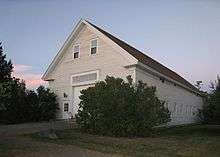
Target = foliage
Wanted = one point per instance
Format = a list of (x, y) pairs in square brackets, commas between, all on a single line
[(5, 66), (42, 104), (17, 104), (12, 102), (211, 109), (47, 104), (115, 107)]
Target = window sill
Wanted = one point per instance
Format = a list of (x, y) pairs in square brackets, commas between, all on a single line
[(73, 59)]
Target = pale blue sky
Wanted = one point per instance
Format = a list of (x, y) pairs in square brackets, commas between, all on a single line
[(184, 35)]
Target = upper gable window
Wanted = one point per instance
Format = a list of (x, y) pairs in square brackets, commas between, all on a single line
[(76, 51), (94, 46)]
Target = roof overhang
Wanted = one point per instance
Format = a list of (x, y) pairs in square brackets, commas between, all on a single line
[(155, 73)]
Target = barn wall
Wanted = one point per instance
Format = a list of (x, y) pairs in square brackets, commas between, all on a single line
[(182, 104)]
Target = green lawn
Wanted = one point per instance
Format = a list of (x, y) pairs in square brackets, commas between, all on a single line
[(190, 141)]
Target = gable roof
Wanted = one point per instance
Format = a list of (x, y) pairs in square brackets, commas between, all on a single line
[(143, 58)]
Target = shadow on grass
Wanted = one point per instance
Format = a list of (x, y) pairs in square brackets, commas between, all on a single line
[(190, 140)]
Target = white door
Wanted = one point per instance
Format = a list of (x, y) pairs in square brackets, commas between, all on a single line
[(76, 99)]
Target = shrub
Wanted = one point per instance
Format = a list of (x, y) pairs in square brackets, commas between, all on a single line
[(211, 109), (47, 104), (118, 108)]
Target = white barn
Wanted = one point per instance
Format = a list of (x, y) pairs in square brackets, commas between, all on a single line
[(90, 54)]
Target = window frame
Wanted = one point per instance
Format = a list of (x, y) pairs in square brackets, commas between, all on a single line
[(85, 82), (93, 46), (162, 79), (75, 52)]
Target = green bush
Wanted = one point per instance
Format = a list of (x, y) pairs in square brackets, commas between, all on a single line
[(210, 112), (47, 104), (42, 104), (118, 108)]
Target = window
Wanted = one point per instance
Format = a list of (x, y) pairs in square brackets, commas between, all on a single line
[(66, 107), (85, 78), (94, 46), (162, 79), (76, 51)]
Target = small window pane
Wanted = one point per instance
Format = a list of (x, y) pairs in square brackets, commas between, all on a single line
[(93, 50), (76, 51), (76, 48), (76, 55), (93, 46), (94, 43), (66, 107)]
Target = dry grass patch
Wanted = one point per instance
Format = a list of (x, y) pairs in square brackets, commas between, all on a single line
[(184, 141)]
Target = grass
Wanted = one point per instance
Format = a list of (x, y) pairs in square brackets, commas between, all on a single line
[(184, 141)]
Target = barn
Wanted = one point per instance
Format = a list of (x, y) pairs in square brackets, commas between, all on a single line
[(90, 54)]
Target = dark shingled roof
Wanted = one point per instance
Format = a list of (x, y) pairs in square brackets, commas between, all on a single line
[(143, 58)]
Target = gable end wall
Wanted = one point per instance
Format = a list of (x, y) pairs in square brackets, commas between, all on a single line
[(107, 61)]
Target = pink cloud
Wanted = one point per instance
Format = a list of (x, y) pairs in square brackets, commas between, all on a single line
[(21, 68), (31, 79)]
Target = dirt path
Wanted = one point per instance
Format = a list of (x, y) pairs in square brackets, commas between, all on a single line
[(16, 129), (12, 144), (26, 147)]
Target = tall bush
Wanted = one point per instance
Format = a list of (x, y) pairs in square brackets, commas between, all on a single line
[(43, 105), (119, 108), (210, 112), (47, 104)]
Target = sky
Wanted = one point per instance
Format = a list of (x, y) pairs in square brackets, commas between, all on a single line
[(184, 35)]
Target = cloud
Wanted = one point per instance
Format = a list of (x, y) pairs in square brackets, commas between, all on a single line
[(21, 68), (32, 80)]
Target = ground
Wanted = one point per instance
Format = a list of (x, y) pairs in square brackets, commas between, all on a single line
[(186, 141), (25, 147), (14, 142)]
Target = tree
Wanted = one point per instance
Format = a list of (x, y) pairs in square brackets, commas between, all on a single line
[(12, 101), (119, 108), (211, 109), (17, 104), (5, 66)]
